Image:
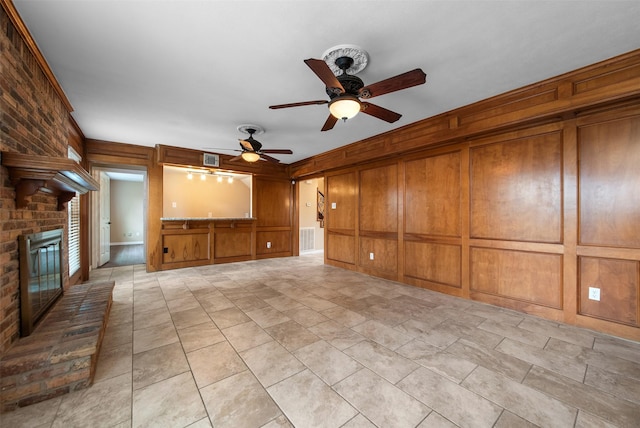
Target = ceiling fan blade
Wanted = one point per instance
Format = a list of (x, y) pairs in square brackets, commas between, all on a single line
[(396, 83), (237, 158), (325, 74), (269, 158), (380, 112), (278, 151), (330, 123), (300, 104), (246, 145)]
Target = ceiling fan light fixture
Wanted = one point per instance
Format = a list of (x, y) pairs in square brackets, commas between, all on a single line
[(345, 107), (250, 156)]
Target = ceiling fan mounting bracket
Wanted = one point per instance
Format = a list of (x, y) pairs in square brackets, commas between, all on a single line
[(358, 57), (255, 129)]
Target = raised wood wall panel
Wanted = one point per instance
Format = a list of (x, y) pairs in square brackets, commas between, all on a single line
[(340, 248), (619, 284), (100, 153), (516, 189), (379, 199), (530, 277), (385, 255), (280, 242), (432, 195), (193, 245), (273, 202), (341, 191), (433, 262), (610, 183), (232, 242)]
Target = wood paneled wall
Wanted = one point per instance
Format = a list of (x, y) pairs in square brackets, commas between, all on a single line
[(527, 219), (526, 200)]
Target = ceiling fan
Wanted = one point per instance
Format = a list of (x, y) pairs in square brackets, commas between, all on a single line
[(251, 149), (346, 90)]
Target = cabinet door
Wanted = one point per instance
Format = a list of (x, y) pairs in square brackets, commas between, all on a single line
[(185, 247)]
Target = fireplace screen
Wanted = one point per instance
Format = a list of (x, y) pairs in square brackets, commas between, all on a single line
[(41, 281)]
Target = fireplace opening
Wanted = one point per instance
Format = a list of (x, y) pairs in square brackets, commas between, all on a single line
[(41, 280)]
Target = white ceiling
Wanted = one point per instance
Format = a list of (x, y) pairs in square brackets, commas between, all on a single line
[(187, 73)]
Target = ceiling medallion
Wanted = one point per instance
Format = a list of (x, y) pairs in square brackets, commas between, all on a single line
[(360, 58), (256, 129)]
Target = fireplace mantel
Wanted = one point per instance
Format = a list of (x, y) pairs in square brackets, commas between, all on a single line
[(61, 177)]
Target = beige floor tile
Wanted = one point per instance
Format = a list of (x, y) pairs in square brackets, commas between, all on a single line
[(515, 333), (246, 336), (117, 335), (154, 337), (585, 397), (158, 364), (40, 414), (382, 334), (174, 402), (613, 383), (271, 363), (381, 360), (336, 334), (214, 363), (564, 366), (283, 303), (200, 336), (279, 422), (229, 317), (595, 358), (249, 303), (182, 304), (498, 362), (344, 316), (216, 303), (388, 407), (522, 400), (104, 404), (114, 361), (306, 317), (617, 347), (267, 316), (454, 402), (307, 401), (436, 420), (359, 422), (586, 420), (152, 317), (509, 420), (327, 362), (292, 335), (239, 401), (451, 366), (189, 317), (559, 331)]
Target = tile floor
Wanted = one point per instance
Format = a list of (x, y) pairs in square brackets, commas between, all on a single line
[(292, 342)]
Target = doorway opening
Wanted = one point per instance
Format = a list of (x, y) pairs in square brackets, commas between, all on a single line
[(119, 217), (311, 216)]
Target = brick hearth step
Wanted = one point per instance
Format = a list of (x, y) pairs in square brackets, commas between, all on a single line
[(60, 356)]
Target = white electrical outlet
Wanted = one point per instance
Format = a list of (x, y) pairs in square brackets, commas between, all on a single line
[(333, 205), (173, 204), (370, 256), (594, 293), (268, 244)]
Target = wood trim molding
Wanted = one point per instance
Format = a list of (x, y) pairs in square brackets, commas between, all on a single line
[(20, 26), (60, 177)]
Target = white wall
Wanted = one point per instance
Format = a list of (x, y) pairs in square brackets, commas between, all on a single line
[(309, 208), (127, 199)]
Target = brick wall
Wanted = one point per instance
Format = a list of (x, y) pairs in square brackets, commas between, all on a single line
[(33, 120)]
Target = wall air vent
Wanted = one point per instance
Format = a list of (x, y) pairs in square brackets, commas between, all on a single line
[(209, 159)]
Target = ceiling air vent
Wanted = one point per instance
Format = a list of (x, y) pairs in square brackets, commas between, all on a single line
[(210, 160)]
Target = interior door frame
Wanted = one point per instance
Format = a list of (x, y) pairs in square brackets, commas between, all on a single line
[(94, 237)]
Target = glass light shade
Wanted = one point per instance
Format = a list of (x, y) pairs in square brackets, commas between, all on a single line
[(230, 180), (344, 107), (250, 156), (189, 176)]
